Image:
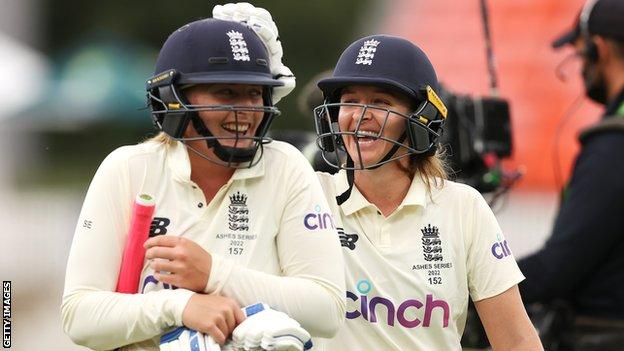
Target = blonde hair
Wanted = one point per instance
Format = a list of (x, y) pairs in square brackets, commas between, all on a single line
[(162, 138), (432, 169)]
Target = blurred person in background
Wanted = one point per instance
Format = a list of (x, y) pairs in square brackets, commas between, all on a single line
[(309, 98), (582, 263), (234, 206), (416, 245)]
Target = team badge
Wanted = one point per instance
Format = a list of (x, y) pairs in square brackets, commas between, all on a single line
[(238, 213), (347, 240), (238, 45), (431, 243), (367, 52)]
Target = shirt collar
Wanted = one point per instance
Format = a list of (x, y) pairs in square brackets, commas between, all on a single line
[(416, 195), (180, 164)]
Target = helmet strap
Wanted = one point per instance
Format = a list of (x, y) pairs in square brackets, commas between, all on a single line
[(200, 127), (340, 199), (392, 151), (224, 153)]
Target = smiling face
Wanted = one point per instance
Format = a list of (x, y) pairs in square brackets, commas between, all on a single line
[(227, 125), (371, 123)]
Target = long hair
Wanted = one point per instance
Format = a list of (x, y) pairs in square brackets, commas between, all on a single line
[(161, 138), (432, 169)]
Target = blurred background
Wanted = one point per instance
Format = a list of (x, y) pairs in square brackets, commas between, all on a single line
[(73, 90)]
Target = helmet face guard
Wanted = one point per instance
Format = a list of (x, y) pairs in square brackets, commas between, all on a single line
[(212, 51), (391, 63), (423, 127), (172, 114)]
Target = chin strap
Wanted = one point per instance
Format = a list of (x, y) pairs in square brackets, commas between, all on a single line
[(200, 127), (224, 153), (340, 199), (390, 153), (233, 154)]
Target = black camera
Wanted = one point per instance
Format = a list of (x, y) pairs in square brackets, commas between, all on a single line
[(477, 134)]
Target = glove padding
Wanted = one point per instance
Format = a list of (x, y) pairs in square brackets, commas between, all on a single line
[(262, 23), (264, 329), (268, 329), (185, 339)]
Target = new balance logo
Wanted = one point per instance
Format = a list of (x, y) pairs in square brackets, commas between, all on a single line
[(347, 240), (159, 226)]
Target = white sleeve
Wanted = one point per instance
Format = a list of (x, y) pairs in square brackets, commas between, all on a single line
[(93, 314), (311, 288), (492, 268)]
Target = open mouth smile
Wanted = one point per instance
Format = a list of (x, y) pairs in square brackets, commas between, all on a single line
[(366, 136), (239, 129)]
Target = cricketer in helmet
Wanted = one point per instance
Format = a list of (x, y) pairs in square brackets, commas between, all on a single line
[(416, 245), (212, 90), (237, 220), (378, 113)]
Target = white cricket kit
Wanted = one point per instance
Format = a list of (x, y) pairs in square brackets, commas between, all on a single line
[(409, 275), (268, 230)]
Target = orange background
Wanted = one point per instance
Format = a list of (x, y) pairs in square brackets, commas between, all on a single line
[(451, 33)]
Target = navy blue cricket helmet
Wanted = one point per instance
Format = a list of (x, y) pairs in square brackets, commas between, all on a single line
[(211, 51), (395, 64)]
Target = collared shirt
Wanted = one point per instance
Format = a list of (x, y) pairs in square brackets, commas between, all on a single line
[(409, 275), (268, 230)]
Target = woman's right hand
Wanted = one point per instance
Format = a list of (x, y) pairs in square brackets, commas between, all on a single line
[(214, 315)]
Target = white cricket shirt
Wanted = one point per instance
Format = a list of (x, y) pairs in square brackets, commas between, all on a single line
[(409, 275), (269, 231)]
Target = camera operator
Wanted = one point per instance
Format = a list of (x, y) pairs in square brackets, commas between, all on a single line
[(582, 263)]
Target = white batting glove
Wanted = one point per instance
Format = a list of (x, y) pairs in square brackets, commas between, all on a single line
[(264, 329), (185, 339), (262, 23), (268, 329)]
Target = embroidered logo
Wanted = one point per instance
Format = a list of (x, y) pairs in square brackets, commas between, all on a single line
[(347, 240), (431, 243), (238, 213), (239, 46), (367, 52)]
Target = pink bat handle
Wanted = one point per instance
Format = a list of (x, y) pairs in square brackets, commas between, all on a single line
[(134, 254)]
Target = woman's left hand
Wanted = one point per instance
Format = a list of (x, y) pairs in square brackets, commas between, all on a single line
[(179, 261)]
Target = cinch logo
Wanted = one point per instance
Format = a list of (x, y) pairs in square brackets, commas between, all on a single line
[(368, 308), (500, 249), (318, 220)]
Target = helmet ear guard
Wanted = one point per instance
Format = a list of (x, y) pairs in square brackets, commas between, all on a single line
[(172, 118), (324, 116), (424, 126)]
